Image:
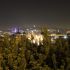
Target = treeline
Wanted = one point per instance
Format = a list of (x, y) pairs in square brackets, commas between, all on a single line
[(18, 53)]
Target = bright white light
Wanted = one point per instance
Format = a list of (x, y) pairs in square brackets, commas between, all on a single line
[(65, 37), (37, 42), (29, 38), (14, 30), (34, 41)]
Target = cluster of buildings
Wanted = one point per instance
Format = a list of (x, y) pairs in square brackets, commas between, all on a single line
[(35, 36)]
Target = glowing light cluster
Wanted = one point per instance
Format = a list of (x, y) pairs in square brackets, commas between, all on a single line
[(35, 38)]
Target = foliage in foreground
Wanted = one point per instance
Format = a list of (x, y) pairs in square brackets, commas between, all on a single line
[(17, 53)]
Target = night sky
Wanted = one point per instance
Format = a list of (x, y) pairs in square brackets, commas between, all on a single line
[(40, 13)]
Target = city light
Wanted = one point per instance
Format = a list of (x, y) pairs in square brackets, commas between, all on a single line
[(35, 38), (65, 37)]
